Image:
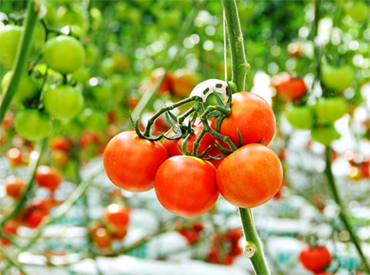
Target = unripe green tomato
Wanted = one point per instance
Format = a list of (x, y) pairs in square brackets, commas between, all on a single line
[(28, 87), (96, 18), (107, 66), (63, 101), (50, 16), (82, 75), (70, 15), (9, 40), (92, 53), (300, 117), (325, 134), (64, 54), (358, 10), (33, 124), (330, 109), (38, 37), (337, 78), (101, 92), (72, 127), (94, 120)]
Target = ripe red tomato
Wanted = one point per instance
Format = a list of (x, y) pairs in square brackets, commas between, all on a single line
[(14, 186), (48, 177), (184, 82), (250, 176), (119, 233), (315, 258), (60, 143), (117, 215), (131, 162), (167, 83), (101, 237), (10, 228), (186, 186), (291, 89), (36, 212), (14, 155), (252, 115), (233, 235)]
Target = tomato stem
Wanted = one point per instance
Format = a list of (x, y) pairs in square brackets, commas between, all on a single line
[(21, 57), (250, 232), (342, 214), (239, 64)]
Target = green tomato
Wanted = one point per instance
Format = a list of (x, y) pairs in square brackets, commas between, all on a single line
[(33, 124), (300, 117), (337, 78), (9, 40), (72, 127), (28, 87), (63, 101), (94, 120), (82, 75), (358, 10), (92, 53), (96, 18), (101, 92), (330, 109), (70, 15), (325, 135), (64, 54), (107, 66)]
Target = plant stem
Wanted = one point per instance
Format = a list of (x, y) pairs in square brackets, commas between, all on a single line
[(239, 70), (35, 158), (13, 261), (21, 57), (239, 64), (342, 214), (185, 29)]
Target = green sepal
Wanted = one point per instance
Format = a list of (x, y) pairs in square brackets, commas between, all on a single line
[(174, 118), (214, 114), (185, 147), (229, 94), (261, 141), (224, 110), (205, 152), (240, 140), (219, 99), (218, 123), (140, 134), (222, 149)]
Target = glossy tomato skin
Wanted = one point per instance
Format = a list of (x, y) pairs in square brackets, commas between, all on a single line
[(250, 176), (292, 89), (48, 177), (10, 36), (186, 186), (101, 237), (315, 258), (252, 115), (131, 162), (117, 215)]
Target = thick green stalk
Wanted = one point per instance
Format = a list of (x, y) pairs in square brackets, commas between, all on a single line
[(253, 249), (21, 57), (185, 29), (343, 215), (30, 175), (239, 64)]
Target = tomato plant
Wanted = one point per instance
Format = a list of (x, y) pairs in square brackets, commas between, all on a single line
[(292, 89), (9, 41), (330, 109), (300, 116), (337, 78), (48, 177), (14, 186), (250, 176), (184, 81), (33, 124), (131, 162), (186, 186), (325, 134), (117, 215)]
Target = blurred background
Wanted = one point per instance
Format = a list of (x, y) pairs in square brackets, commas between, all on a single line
[(59, 226)]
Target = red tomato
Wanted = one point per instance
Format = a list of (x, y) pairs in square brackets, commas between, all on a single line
[(131, 162), (102, 238), (14, 186), (88, 138), (250, 176), (119, 233), (291, 89), (14, 155), (167, 83), (60, 143), (117, 215), (235, 250), (35, 213), (252, 115), (10, 228), (315, 258), (48, 177), (233, 235), (190, 234), (186, 186), (213, 255)]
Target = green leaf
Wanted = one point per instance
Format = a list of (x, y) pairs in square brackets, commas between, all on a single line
[(174, 118), (185, 147), (219, 99)]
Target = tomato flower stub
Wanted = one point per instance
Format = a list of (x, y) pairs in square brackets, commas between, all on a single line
[(252, 116), (186, 186), (250, 176), (132, 162)]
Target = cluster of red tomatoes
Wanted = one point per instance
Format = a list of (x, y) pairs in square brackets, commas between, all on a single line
[(189, 186), (360, 165), (113, 226), (191, 232), (318, 118), (36, 209)]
